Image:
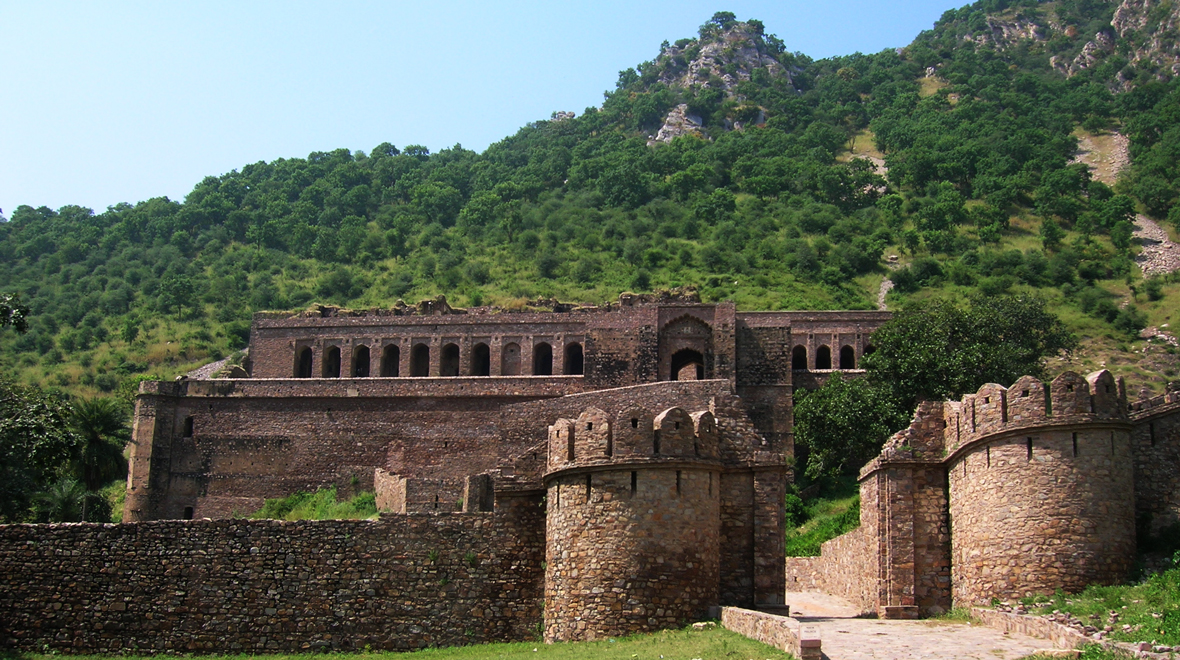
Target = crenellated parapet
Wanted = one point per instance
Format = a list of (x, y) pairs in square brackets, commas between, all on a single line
[(633, 436)]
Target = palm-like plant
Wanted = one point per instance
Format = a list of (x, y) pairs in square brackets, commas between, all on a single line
[(102, 426), (63, 501)]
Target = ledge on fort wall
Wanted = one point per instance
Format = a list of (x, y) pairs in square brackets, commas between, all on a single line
[(455, 386)]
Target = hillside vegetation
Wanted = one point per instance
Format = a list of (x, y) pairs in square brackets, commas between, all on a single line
[(727, 162)]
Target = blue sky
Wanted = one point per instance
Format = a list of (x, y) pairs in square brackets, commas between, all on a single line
[(113, 102)]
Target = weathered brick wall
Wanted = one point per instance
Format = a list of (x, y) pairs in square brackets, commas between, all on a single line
[(257, 439), (234, 586)]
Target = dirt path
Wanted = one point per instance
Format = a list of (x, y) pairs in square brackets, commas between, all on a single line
[(846, 638), (1159, 254), (886, 287), (1108, 155)]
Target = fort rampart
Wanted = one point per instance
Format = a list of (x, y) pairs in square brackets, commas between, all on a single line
[(242, 586), (1013, 491)]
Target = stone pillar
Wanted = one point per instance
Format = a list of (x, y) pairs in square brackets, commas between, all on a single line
[(769, 536)]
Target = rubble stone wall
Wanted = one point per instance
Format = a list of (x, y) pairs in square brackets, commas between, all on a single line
[(1156, 441), (242, 586), (1031, 516), (631, 551)]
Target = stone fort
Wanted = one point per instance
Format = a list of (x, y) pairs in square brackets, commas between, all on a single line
[(572, 474)]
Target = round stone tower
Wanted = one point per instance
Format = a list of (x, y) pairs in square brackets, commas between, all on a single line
[(1041, 488), (633, 523)]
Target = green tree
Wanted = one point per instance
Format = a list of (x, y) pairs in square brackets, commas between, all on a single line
[(101, 426), (13, 312), (844, 424), (937, 349), (35, 444)]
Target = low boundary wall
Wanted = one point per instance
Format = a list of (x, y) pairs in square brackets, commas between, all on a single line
[(219, 586), (781, 632)]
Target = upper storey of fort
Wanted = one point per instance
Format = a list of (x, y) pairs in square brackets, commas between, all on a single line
[(638, 339)]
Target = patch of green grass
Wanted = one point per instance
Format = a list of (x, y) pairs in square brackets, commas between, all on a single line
[(1091, 652), (320, 505), (687, 643), (1151, 608), (825, 516)]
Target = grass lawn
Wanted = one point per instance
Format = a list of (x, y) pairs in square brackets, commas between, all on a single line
[(713, 643)]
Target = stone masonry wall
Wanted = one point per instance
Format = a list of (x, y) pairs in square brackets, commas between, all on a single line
[(1156, 441), (1029, 522), (245, 586), (630, 551), (220, 447)]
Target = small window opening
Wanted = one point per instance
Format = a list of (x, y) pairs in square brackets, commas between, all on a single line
[(1069, 388), (1075, 444), (610, 446), (188, 513), (710, 484), (987, 399), (436, 500), (634, 482), (589, 426), (569, 446), (1030, 449), (989, 456), (676, 425), (1112, 443), (188, 426), (678, 482), (655, 443), (1023, 393), (588, 487), (634, 422)]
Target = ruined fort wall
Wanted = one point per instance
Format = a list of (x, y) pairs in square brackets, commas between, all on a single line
[(274, 342), (630, 551), (848, 565), (1030, 522), (220, 447), (1041, 488), (1156, 443), (243, 586)]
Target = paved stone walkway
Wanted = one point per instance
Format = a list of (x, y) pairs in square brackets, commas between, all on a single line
[(846, 638)]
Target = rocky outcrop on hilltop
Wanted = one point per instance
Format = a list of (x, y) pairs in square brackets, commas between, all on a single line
[(1003, 33), (1150, 27), (721, 61)]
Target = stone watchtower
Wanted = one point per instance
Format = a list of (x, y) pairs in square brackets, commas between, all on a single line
[(634, 522)]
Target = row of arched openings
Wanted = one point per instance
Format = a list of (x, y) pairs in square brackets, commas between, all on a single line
[(823, 358), (450, 363)]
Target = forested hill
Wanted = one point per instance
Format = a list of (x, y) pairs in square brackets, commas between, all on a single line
[(727, 162)]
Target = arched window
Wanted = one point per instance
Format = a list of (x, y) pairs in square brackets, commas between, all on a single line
[(420, 360), (449, 364), (481, 360), (510, 359), (869, 350), (391, 359), (847, 358), (360, 362), (799, 358), (542, 360), (332, 362), (573, 360), (688, 364), (823, 358), (303, 363)]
